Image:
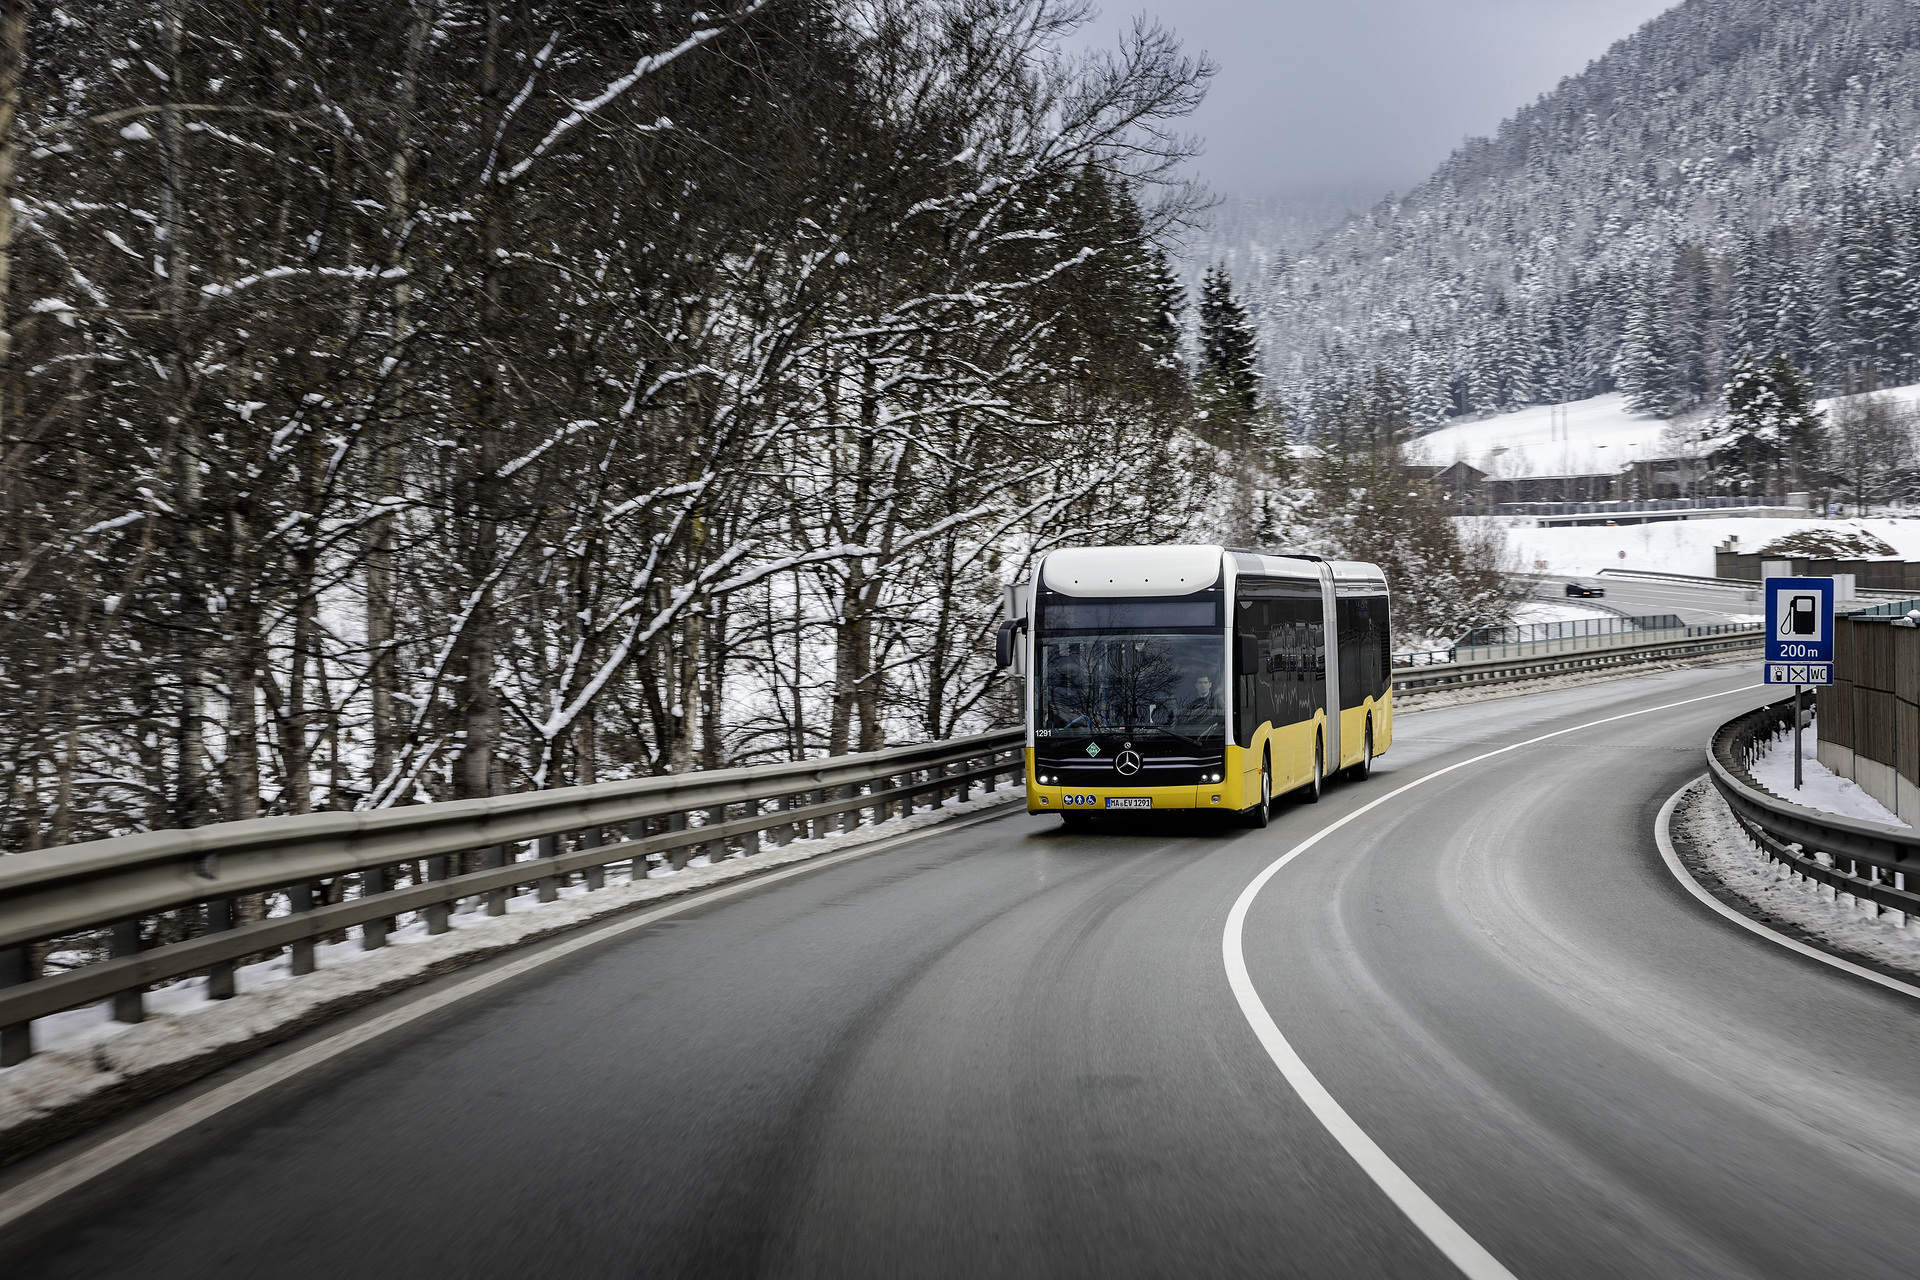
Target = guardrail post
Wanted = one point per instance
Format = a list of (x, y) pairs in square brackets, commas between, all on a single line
[(750, 843), (549, 885), (637, 868), (783, 833), (937, 775), (16, 1040), (716, 850), (438, 913), (373, 934), (300, 954), (495, 856), (220, 973), (597, 873), (129, 1005), (677, 856)]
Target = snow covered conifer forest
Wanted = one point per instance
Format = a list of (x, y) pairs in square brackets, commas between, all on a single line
[(1736, 179), (438, 398)]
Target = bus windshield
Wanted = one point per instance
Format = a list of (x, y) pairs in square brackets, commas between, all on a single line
[(1134, 682)]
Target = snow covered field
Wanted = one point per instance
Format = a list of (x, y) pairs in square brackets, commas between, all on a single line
[(1673, 546), (1581, 438)]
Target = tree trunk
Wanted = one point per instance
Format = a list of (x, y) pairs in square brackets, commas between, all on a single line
[(383, 448), (13, 59), (480, 712)]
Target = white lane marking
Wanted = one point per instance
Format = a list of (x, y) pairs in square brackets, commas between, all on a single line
[(1663, 836), (19, 1201), (1432, 1221)]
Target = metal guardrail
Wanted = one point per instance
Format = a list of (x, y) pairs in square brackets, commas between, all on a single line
[(1720, 639), (1864, 859), (1460, 655), (111, 886)]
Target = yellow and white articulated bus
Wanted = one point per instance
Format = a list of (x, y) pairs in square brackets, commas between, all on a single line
[(1197, 677)]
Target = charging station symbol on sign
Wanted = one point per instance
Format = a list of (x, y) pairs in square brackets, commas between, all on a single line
[(1800, 616)]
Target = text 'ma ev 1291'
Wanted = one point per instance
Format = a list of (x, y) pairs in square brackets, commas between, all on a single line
[(1196, 677)]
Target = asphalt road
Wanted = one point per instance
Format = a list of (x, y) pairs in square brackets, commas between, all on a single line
[(1011, 1050)]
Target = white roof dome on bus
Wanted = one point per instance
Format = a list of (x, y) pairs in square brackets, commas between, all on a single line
[(1132, 571)]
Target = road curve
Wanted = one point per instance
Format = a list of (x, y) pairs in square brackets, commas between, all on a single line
[(1012, 1050)]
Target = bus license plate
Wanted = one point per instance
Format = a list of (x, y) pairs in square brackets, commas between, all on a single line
[(1129, 802)]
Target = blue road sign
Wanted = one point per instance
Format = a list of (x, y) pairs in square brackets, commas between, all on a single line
[(1799, 630)]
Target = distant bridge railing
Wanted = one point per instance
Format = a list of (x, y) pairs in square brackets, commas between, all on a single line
[(1534, 640), (88, 897), (1869, 861), (1431, 671), (1570, 629)]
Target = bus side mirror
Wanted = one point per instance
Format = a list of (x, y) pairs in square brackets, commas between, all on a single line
[(1003, 642), (1246, 655)]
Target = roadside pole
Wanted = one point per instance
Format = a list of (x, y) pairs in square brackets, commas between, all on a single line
[(1798, 693)]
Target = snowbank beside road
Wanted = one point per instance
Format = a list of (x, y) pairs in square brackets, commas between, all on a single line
[(1715, 849), (1820, 788), (1530, 611)]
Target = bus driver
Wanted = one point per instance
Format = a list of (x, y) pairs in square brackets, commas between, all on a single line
[(1203, 704)]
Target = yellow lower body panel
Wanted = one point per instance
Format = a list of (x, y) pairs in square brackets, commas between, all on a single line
[(1288, 748)]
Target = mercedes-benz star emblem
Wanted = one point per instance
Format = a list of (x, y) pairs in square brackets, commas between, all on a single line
[(1127, 763)]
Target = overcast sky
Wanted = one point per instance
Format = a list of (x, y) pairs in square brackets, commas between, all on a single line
[(1362, 97)]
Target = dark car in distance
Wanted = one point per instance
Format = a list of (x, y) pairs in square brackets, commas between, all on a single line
[(1584, 591)]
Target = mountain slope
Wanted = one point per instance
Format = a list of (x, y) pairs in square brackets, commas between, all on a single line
[(1737, 176)]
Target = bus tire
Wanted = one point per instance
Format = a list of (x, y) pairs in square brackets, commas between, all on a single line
[(1364, 770), (1262, 813), (1310, 792)]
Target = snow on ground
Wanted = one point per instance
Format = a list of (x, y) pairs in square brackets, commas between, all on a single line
[(1672, 546), (1585, 437), (1581, 438), (1839, 920), (1553, 611), (1820, 787)]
